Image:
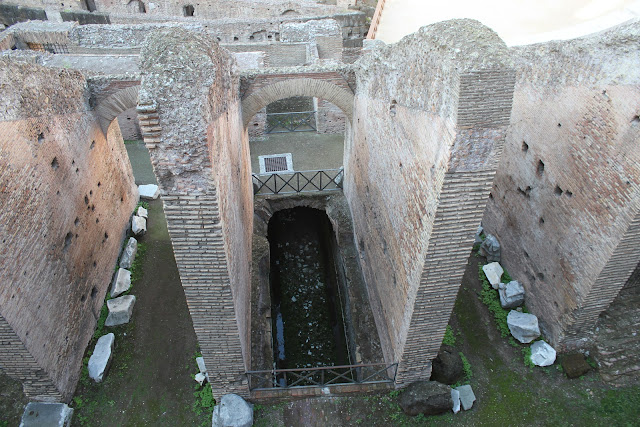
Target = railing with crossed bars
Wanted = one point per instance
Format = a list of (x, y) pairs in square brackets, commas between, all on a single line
[(298, 182), (299, 121), (322, 376)]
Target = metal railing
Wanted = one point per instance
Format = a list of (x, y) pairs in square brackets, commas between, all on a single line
[(298, 182), (323, 376), (302, 121)]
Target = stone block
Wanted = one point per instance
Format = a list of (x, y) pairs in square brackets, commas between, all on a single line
[(120, 310), (149, 191), (490, 248), (142, 212), (39, 414), (523, 326), (466, 396), (138, 225), (511, 294), (129, 253), (426, 397), (232, 411), (493, 271), (574, 365), (101, 358), (121, 283), (455, 397), (542, 354)]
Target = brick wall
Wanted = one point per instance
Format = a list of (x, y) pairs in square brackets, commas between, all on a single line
[(129, 126), (567, 190), (428, 129), (330, 119), (67, 194), (208, 209)]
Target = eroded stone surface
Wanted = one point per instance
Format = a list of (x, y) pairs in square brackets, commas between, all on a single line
[(490, 248), (40, 414), (425, 397), (129, 253), (121, 283), (232, 411), (493, 271), (466, 396), (523, 326), (542, 354), (148, 191), (120, 310), (138, 225), (101, 358), (511, 294)]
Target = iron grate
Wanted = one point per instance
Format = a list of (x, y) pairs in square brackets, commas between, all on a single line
[(275, 164)]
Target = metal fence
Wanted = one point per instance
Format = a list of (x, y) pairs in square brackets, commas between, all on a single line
[(298, 182), (302, 121), (322, 376)]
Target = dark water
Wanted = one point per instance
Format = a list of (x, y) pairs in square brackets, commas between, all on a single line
[(306, 310)]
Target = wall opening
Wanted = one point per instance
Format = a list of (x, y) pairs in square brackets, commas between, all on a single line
[(306, 305), (188, 10)]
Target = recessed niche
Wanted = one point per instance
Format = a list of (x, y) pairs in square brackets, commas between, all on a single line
[(55, 164), (540, 168), (525, 146)]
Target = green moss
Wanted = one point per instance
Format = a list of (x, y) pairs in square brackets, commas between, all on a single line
[(526, 355)]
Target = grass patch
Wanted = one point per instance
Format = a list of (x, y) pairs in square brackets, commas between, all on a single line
[(490, 298), (526, 355), (449, 337), (136, 265)]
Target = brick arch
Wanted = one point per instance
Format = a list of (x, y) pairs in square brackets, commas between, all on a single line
[(256, 101), (110, 107)]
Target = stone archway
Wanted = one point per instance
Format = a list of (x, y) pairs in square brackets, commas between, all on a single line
[(339, 96), (110, 107)]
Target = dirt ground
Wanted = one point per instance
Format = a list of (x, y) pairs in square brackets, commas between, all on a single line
[(507, 392), (150, 381)]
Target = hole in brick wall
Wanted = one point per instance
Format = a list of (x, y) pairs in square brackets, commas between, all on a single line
[(540, 276), (76, 235), (54, 163), (99, 183), (235, 39), (636, 119), (392, 108), (83, 298), (541, 221), (97, 220), (58, 193), (556, 304), (490, 196), (568, 193), (559, 125), (251, 37), (188, 10), (526, 254), (91, 192), (558, 191), (95, 264), (77, 170), (525, 192), (525, 146), (94, 292), (86, 200), (540, 168), (73, 162), (93, 144), (76, 221), (40, 138), (106, 235), (122, 199), (218, 39), (93, 207), (67, 241)]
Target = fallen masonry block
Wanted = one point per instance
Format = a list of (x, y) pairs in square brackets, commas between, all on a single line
[(523, 326), (101, 358), (129, 253), (142, 212), (511, 294), (232, 411), (466, 396), (542, 354), (148, 191), (455, 396), (38, 414), (138, 225), (121, 283), (490, 248), (493, 271), (120, 310)]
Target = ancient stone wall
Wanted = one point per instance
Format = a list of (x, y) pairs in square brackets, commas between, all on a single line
[(215, 9), (429, 121), (192, 125), (67, 194), (330, 118), (567, 192), (129, 126)]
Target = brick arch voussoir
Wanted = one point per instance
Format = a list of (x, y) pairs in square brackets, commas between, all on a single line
[(115, 104), (256, 101)]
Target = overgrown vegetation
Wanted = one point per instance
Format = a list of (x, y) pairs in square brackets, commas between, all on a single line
[(449, 337), (490, 298), (526, 355), (466, 367)]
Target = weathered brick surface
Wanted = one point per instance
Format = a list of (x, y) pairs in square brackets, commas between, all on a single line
[(429, 123), (566, 193), (66, 191), (330, 118), (199, 152)]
